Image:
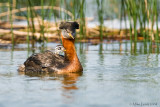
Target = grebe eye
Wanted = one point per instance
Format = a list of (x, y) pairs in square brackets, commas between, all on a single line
[(68, 31)]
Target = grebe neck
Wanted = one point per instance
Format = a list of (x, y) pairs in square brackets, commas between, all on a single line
[(71, 55)]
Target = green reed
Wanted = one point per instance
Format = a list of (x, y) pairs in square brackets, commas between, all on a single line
[(52, 11), (157, 30), (82, 18), (78, 9), (128, 11), (100, 16), (28, 16), (11, 21), (122, 15), (32, 23), (74, 8), (143, 12), (42, 38)]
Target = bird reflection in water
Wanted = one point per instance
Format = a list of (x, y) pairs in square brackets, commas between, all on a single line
[(68, 82), (69, 86)]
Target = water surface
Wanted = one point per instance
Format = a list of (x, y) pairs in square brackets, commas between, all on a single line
[(112, 77)]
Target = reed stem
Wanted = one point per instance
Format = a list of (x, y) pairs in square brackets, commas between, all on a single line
[(11, 21)]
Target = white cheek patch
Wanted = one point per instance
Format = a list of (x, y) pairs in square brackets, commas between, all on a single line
[(66, 34)]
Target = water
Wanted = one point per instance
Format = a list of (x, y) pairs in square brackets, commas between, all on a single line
[(111, 78)]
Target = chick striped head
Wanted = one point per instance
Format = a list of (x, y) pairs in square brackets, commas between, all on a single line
[(59, 49)]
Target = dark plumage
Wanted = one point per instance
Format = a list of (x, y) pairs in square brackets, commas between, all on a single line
[(43, 61), (40, 62), (69, 25)]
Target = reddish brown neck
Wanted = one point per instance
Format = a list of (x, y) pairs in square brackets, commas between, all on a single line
[(71, 54)]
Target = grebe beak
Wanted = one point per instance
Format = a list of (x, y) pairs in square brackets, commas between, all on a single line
[(71, 35)]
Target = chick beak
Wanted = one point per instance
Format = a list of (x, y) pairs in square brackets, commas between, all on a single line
[(71, 35)]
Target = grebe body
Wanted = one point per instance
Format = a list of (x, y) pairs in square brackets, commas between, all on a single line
[(40, 61)]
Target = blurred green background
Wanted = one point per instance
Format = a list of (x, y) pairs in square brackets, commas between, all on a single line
[(33, 21)]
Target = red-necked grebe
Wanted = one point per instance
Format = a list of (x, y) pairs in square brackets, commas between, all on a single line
[(53, 62)]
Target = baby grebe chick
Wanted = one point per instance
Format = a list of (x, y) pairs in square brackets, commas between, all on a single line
[(49, 62), (59, 49)]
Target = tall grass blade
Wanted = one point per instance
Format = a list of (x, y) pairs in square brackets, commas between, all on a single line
[(11, 22), (100, 17), (32, 24)]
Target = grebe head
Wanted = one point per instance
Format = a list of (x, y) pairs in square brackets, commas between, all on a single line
[(59, 49), (69, 29)]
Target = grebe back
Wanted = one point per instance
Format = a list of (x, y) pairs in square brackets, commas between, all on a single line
[(39, 61)]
